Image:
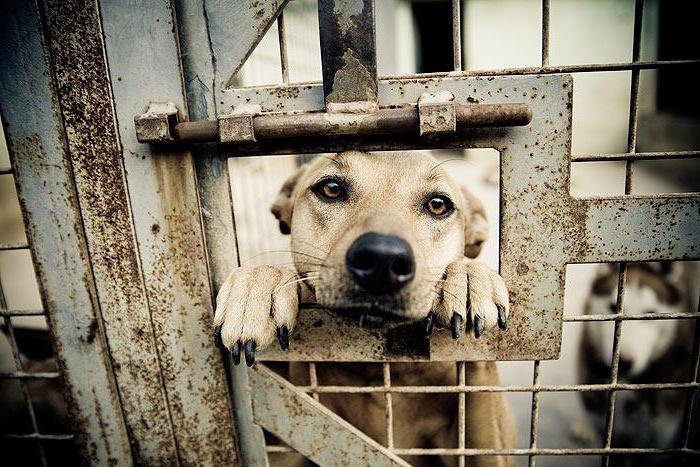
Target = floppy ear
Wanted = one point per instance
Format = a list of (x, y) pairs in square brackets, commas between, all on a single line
[(476, 228), (284, 204)]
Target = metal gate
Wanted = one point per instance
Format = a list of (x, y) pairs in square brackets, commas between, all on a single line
[(131, 240)]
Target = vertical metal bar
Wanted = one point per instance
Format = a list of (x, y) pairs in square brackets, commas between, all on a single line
[(535, 412), (313, 379), (634, 95), (691, 394), (457, 34), (545, 33), (46, 191), (284, 61), (612, 395), (19, 367), (388, 407), (348, 55), (78, 57), (213, 39), (461, 412), (629, 171), (167, 217)]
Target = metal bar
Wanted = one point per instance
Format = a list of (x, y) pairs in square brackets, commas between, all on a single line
[(461, 411), (164, 196), (33, 375), (46, 191), (19, 367), (693, 377), (313, 378), (22, 312), (78, 56), (311, 428), (6, 171), (13, 246), (535, 412), (548, 70), (671, 221), (545, 33), (284, 59), (510, 388), (206, 39), (631, 317), (614, 364), (636, 156), (457, 34), (385, 121), (540, 451), (348, 55), (36, 436), (388, 408)]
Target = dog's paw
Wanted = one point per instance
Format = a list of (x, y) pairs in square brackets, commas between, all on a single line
[(254, 306), (470, 296)]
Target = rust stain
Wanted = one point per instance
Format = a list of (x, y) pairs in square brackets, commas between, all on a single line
[(85, 103)]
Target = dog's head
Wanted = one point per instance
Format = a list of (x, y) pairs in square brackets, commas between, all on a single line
[(649, 288), (376, 231)]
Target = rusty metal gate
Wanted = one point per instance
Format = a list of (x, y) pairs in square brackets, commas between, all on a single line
[(120, 118)]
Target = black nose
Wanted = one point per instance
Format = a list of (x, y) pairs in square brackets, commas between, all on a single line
[(625, 364), (380, 263)]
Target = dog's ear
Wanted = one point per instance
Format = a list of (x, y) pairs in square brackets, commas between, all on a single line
[(476, 228), (284, 204)]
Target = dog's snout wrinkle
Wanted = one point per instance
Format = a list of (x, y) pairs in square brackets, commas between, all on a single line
[(380, 263)]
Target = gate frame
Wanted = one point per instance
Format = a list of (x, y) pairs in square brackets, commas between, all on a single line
[(67, 152)]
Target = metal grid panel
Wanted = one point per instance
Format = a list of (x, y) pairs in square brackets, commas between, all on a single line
[(618, 318)]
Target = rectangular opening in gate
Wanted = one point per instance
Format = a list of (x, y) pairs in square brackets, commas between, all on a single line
[(389, 193)]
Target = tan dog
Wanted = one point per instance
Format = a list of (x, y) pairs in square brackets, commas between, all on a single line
[(380, 237)]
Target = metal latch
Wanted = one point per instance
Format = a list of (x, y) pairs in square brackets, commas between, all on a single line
[(435, 114)]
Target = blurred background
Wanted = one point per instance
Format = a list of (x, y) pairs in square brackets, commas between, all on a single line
[(413, 36)]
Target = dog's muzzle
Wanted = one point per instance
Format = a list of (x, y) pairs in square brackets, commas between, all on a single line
[(380, 264)]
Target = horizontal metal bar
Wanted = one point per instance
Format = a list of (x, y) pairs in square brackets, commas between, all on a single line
[(6, 171), (513, 388), (631, 317), (14, 246), (635, 156), (22, 312), (385, 121), (671, 226), (37, 436), (25, 375), (548, 70), (540, 451)]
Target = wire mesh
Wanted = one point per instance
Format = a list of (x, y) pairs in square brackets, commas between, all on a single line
[(636, 65)]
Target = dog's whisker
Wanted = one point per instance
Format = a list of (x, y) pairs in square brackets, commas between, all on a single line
[(288, 251), (289, 283)]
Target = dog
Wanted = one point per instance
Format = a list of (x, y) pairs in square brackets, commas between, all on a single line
[(378, 238), (651, 351)]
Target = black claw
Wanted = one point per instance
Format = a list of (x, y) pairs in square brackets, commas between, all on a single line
[(429, 322), (479, 325), (236, 353), (249, 348), (501, 317), (217, 337), (283, 337), (456, 325)]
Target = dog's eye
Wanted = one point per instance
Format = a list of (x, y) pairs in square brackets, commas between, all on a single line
[(439, 206), (330, 190)]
